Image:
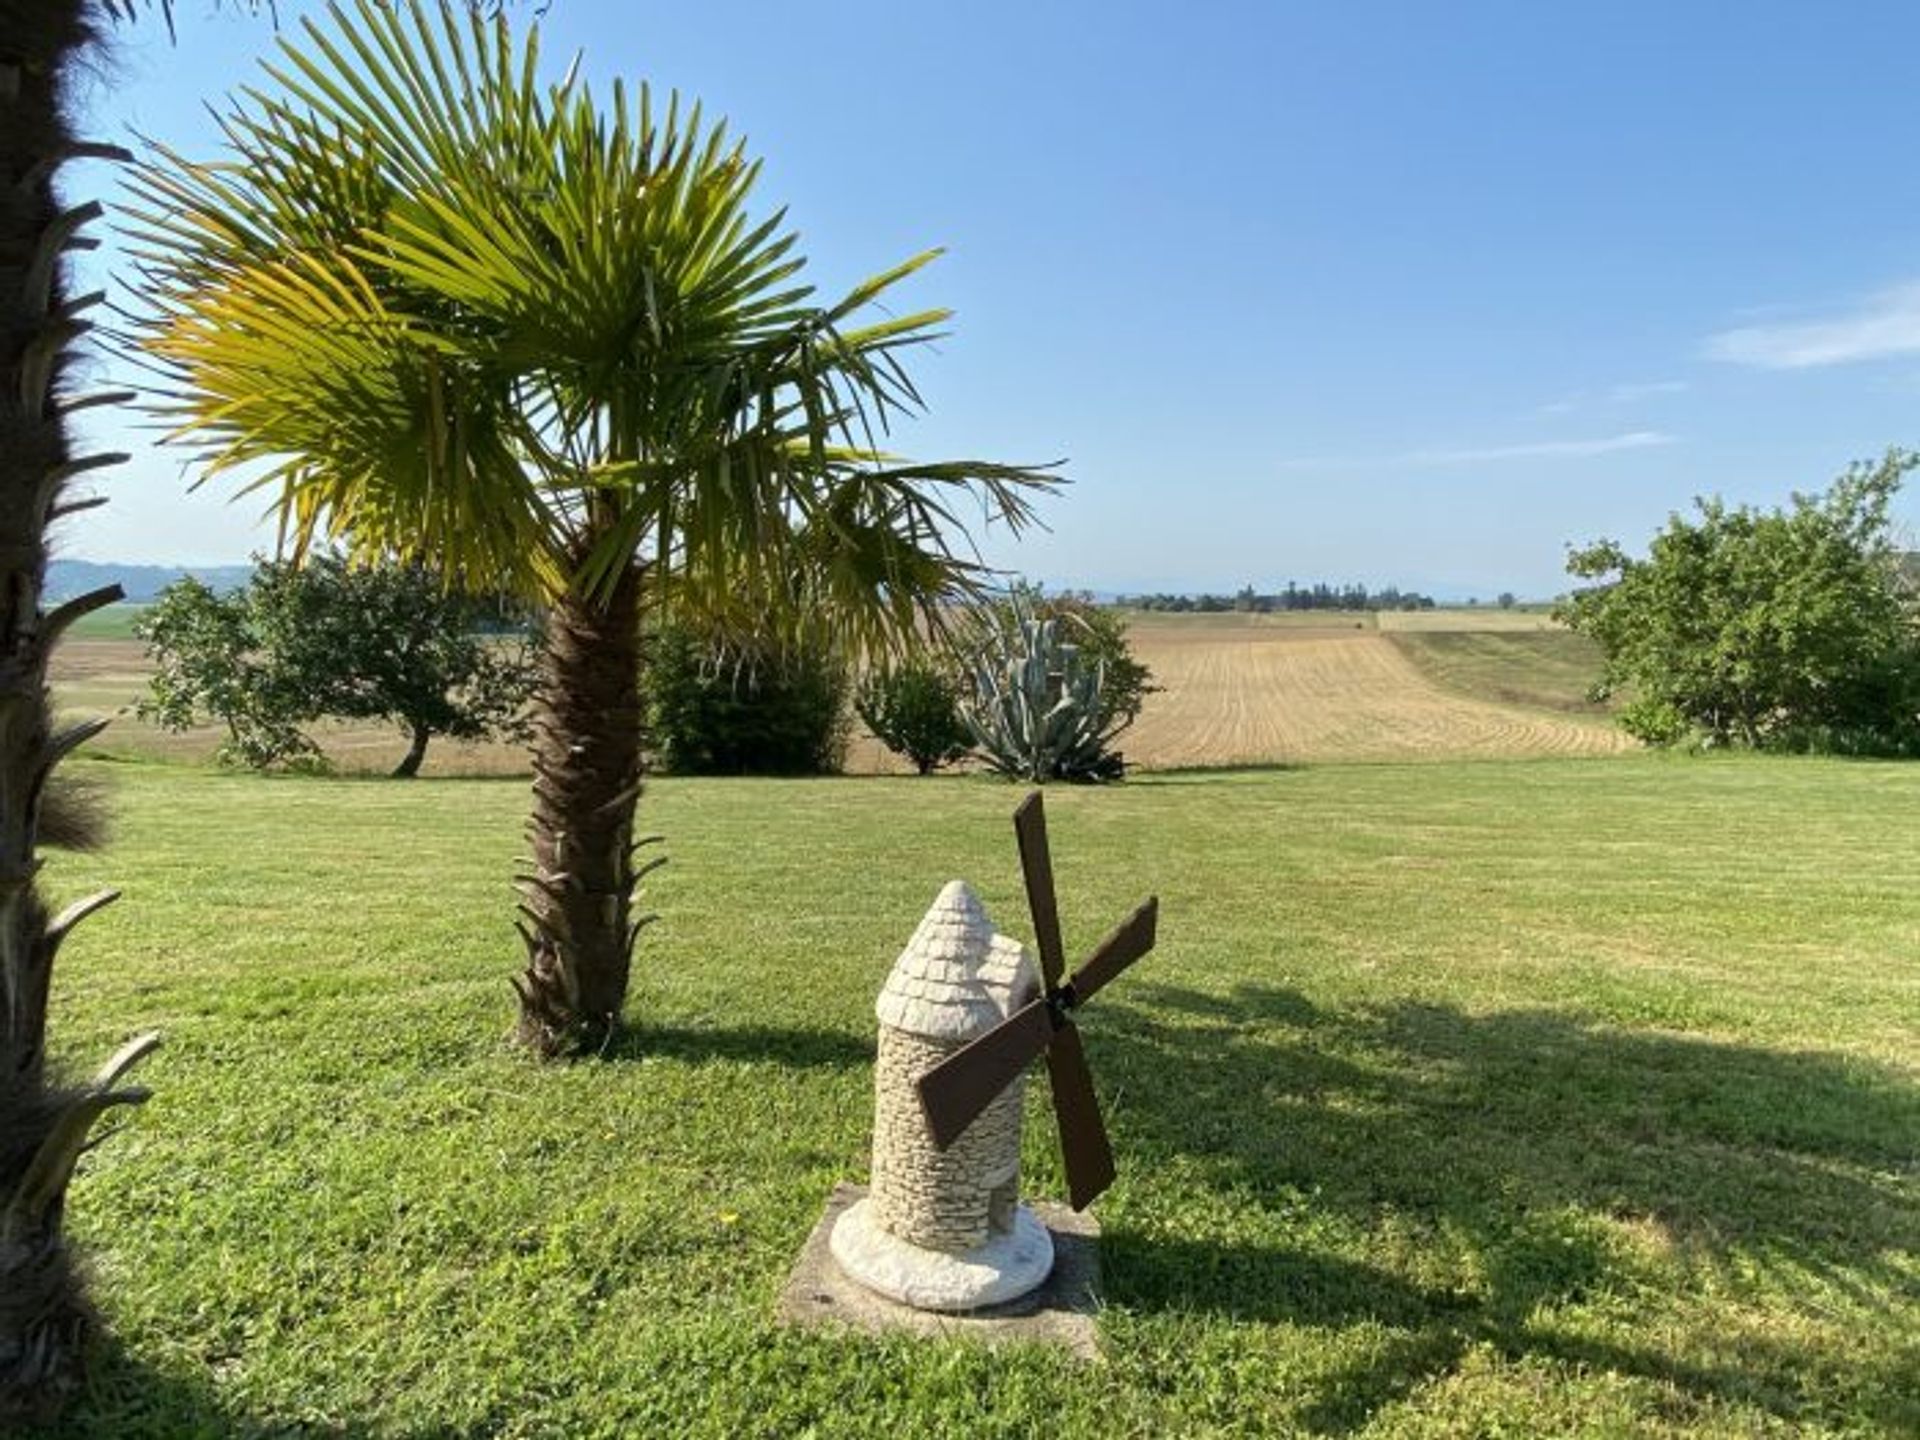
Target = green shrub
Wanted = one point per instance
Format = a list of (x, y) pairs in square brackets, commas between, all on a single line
[(717, 711), (1653, 721), (914, 710)]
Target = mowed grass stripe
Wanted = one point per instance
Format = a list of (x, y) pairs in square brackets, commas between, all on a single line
[(1552, 1097), (1550, 669)]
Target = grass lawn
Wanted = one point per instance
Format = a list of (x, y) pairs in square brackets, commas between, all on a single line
[(114, 622), (1519, 1098)]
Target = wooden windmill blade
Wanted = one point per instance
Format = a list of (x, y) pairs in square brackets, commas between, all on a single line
[(1036, 867), (1131, 938), (954, 1092), (1085, 1150)]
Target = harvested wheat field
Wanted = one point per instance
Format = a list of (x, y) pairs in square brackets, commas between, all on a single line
[(1238, 692), (109, 677), (1237, 689)]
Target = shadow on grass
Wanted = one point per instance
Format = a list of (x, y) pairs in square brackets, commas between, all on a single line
[(748, 1044), (1536, 1148), (1269, 1283), (1201, 774), (124, 1399)]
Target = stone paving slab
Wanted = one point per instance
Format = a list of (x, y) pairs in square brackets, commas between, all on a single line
[(1061, 1312)]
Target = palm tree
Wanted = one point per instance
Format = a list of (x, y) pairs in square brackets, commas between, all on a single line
[(444, 309), (44, 1316)]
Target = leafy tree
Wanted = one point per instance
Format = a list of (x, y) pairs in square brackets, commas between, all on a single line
[(1507, 600), (380, 642), (548, 347), (913, 708), (396, 643), (1771, 629), (209, 659)]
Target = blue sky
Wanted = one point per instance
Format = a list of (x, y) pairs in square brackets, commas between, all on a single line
[(1390, 292)]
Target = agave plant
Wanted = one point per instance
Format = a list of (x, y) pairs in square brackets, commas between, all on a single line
[(443, 308), (1037, 710)]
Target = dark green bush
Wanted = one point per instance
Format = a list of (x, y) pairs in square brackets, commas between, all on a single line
[(712, 710), (914, 710)]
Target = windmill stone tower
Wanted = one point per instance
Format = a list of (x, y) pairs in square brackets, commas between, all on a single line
[(943, 1229)]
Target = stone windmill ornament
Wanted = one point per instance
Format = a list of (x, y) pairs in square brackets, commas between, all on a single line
[(942, 1228), (963, 1013)]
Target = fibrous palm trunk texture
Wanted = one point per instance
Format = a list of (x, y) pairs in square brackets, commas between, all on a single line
[(577, 892), (44, 1316)]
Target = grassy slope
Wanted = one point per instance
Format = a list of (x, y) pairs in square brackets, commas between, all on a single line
[(1545, 669), (115, 622), (1570, 1096)]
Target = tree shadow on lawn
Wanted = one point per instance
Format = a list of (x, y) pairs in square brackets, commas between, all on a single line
[(747, 1044), (125, 1399), (1553, 1159)]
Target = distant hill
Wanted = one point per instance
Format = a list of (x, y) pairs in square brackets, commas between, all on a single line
[(67, 578)]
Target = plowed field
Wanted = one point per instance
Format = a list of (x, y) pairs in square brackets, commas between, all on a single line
[(1237, 690), (1242, 694)]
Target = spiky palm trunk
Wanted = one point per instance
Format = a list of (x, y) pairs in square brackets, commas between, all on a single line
[(578, 889), (44, 1317)]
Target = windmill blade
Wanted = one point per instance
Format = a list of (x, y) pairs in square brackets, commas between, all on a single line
[(956, 1090), (1131, 939), (1083, 1134), (1036, 864)]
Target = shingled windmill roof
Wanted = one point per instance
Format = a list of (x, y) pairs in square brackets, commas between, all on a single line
[(956, 979)]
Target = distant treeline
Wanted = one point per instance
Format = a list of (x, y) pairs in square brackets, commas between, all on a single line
[(1294, 597)]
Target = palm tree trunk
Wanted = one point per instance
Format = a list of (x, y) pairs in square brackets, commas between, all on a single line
[(578, 890), (409, 765), (44, 1316)]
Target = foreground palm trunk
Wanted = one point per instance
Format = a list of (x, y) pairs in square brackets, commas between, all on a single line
[(44, 1317), (578, 890)]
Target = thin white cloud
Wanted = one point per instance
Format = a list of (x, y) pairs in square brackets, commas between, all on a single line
[(1543, 449), (1884, 325), (1494, 454), (1644, 390), (1624, 394)]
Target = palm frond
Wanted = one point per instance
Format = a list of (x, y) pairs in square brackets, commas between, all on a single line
[(455, 308)]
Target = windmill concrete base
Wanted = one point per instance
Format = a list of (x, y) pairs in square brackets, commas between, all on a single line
[(1007, 1266), (1060, 1312)]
